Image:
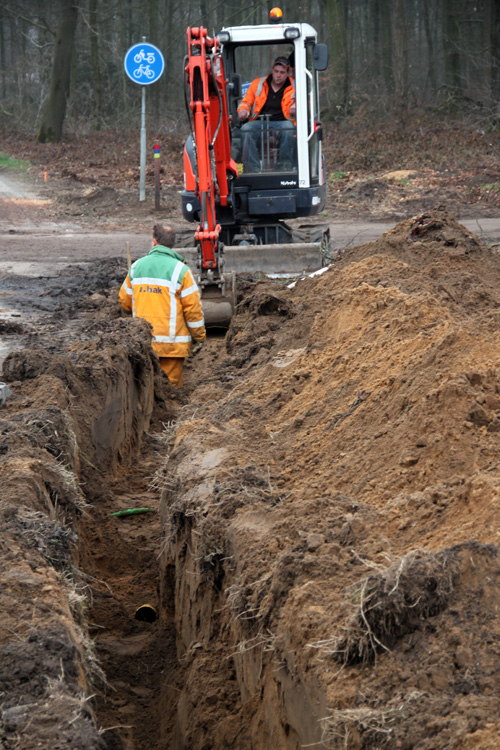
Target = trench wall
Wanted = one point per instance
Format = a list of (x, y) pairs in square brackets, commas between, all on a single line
[(243, 686), (75, 415)]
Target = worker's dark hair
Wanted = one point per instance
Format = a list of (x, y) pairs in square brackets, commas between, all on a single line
[(164, 235)]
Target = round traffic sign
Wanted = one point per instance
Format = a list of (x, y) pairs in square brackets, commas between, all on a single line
[(144, 63)]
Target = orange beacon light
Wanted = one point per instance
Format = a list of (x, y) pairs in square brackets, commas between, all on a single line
[(276, 15)]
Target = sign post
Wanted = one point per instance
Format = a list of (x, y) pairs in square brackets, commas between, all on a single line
[(144, 64)]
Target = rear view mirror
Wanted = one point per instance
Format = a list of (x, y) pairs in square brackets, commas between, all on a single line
[(320, 57)]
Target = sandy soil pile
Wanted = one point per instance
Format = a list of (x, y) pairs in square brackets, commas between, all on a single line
[(332, 507)]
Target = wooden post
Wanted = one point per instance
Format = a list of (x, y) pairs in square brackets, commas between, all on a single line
[(156, 149)]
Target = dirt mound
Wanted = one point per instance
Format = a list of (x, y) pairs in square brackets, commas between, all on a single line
[(333, 501)]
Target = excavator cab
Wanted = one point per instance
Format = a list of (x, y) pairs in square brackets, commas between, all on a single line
[(243, 183), (271, 186), (283, 148)]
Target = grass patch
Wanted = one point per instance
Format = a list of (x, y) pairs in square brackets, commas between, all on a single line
[(19, 165), (338, 176)]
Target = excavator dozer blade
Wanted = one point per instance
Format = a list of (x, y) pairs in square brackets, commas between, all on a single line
[(291, 258), (301, 256)]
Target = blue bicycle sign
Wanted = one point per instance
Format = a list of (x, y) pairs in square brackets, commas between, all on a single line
[(144, 63)]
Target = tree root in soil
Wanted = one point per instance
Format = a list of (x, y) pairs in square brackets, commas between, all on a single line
[(392, 602)]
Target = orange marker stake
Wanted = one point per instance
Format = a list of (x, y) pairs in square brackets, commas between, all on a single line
[(45, 176)]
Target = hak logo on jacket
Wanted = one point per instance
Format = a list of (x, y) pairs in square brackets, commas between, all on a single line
[(151, 289)]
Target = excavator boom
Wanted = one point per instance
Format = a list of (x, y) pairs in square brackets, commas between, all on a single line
[(204, 71)]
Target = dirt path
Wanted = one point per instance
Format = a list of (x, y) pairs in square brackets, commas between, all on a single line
[(35, 237)]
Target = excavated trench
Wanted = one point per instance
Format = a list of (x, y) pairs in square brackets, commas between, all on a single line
[(108, 616), (318, 559), (132, 629), (88, 647)]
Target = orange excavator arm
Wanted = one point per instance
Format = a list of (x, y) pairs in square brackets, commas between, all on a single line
[(206, 82)]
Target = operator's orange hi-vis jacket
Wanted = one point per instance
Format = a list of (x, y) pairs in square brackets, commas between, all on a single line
[(160, 288), (256, 97)]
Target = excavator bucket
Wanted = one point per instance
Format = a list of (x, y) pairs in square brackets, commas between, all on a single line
[(219, 302)]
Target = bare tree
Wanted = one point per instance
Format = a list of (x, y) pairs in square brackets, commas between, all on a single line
[(96, 66), (339, 59), (55, 106), (400, 57), (452, 49), (383, 43)]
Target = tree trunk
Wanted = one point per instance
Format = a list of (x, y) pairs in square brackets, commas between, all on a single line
[(495, 61), (337, 43), (3, 89), (485, 89), (96, 69), (429, 35), (55, 107), (385, 41), (400, 57), (452, 49), (153, 39)]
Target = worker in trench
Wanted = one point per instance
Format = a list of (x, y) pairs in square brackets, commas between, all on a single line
[(161, 289), (274, 96)]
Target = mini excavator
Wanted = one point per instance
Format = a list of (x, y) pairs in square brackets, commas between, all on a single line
[(242, 212)]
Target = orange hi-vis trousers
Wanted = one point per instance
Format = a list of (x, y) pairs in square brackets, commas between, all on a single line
[(173, 367)]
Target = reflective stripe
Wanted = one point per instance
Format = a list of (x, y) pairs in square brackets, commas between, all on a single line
[(131, 272), (157, 282), (196, 323), (173, 301), (178, 268), (189, 290), (172, 339), (260, 86), (127, 289)]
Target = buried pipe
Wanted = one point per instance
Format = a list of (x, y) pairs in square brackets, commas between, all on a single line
[(146, 613)]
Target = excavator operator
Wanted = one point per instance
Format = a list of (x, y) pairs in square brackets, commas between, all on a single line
[(274, 96)]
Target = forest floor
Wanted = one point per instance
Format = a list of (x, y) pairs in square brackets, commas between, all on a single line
[(321, 547), (375, 172)]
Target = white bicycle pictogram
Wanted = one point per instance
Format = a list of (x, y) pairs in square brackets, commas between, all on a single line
[(142, 56), (144, 70)]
